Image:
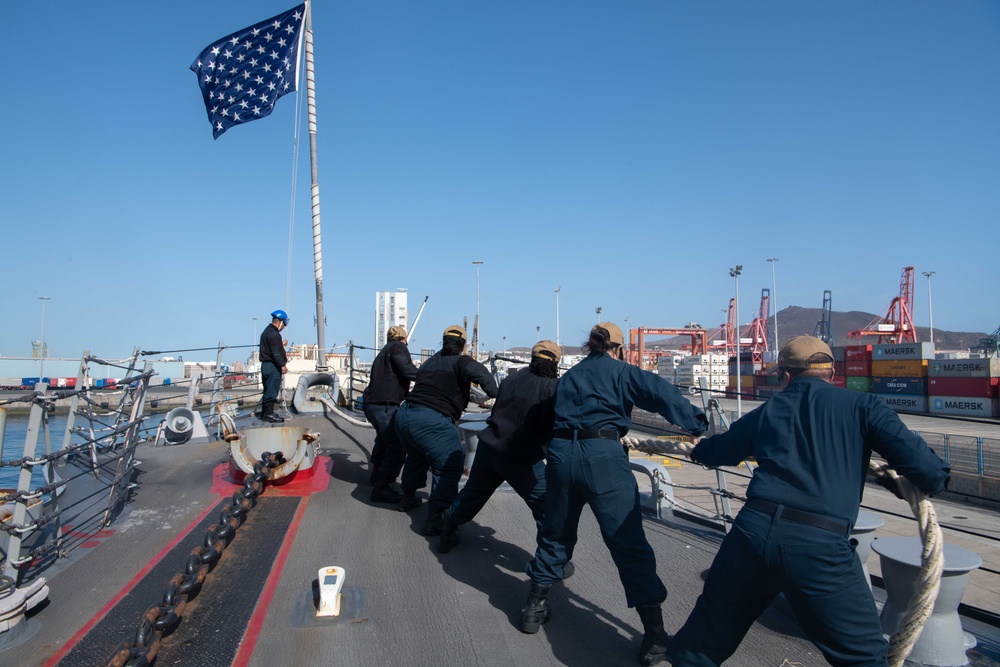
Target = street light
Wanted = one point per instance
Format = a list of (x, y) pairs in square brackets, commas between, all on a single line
[(774, 300), (478, 263), (41, 343), (558, 289), (735, 273), (254, 339), (505, 345), (598, 311), (538, 333), (930, 304)]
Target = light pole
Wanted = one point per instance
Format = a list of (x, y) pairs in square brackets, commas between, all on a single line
[(735, 273), (930, 304), (557, 314), (598, 311), (774, 300), (478, 263), (538, 333), (41, 343), (628, 338), (254, 339)]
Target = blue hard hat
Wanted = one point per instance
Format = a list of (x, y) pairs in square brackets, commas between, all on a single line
[(281, 315)]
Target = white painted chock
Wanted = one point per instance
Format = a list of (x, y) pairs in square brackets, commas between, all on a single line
[(331, 581)]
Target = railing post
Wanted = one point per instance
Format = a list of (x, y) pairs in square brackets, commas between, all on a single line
[(350, 381), (979, 457), (947, 450), (13, 548)]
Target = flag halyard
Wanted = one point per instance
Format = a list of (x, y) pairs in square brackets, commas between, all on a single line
[(242, 75)]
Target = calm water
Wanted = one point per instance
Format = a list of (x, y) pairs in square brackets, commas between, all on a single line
[(13, 446)]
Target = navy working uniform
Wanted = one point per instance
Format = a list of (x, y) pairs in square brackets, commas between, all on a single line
[(812, 442), (272, 360), (586, 464), (517, 432), (391, 374), (426, 425)]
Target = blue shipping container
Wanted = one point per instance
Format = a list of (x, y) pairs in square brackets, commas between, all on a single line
[(909, 386)]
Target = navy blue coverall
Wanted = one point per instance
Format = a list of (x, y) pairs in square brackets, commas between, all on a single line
[(599, 393), (272, 358), (391, 374), (812, 442), (425, 424), (518, 429)]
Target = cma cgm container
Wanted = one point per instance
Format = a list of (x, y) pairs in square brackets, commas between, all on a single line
[(858, 383), (861, 368), (912, 386), (965, 406), (909, 368), (979, 387), (965, 368), (857, 352), (903, 351), (904, 402)]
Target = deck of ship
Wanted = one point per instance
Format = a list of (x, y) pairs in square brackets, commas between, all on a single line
[(405, 604)]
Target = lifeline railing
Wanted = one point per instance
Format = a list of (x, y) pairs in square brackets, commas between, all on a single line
[(104, 426)]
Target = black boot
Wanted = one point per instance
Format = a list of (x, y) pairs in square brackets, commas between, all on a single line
[(536, 611), (408, 501), (382, 491), (434, 525), (449, 536), (267, 414), (653, 649)]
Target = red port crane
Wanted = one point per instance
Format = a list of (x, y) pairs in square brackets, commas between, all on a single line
[(638, 356), (896, 326), (757, 331)]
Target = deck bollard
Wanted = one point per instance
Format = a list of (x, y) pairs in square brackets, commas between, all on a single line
[(942, 642), (471, 423), (862, 535)]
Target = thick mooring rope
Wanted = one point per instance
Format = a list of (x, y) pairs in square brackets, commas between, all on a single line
[(931, 558), (931, 566)]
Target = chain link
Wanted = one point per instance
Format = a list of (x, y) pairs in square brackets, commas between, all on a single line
[(142, 650)]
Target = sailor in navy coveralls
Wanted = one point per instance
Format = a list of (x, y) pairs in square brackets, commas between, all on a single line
[(588, 465), (812, 442)]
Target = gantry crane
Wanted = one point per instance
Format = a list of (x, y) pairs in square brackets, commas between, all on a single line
[(823, 328), (638, 356), (991, 344), (896, 326), (756, 332)]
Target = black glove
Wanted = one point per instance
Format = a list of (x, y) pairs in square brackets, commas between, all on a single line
[(889, 484)]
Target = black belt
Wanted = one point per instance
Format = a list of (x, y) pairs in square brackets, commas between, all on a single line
[(799, 516), (586, 434)]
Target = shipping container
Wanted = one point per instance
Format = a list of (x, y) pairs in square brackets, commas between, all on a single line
[(840, 368), (980, 387), (905, 351), (858, 368), (839, 381), (767, 391), (746, 382), (909, 368), (857, 352), (965, 406), (965, 368), (858, 383), (838, 353), (71, 383), (904, 402), (900, 385)]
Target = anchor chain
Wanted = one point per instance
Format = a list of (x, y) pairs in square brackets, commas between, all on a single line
[(142, 650)]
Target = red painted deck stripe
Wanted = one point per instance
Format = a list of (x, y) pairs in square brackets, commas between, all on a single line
[(67, 647), (257, 620)]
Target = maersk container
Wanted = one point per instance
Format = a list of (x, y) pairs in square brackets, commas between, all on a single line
[(964, 406), (899, 385), (964, 368), (908, 368), (904, 351), (857, 352), (858, 368), (904, 402), (980, 387), (858, 383)]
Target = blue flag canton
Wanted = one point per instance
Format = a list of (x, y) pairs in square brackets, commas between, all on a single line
[(242, 75)]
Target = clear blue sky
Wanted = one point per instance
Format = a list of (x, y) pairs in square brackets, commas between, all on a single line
[(629, 152)]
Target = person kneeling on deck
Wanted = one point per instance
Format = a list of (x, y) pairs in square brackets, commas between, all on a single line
[(273, 362), (586, 464), (391, 374), (812, 442), (426, 425), (518, 430)]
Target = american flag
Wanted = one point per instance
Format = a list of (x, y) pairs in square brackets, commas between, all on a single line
[(242, 75)]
